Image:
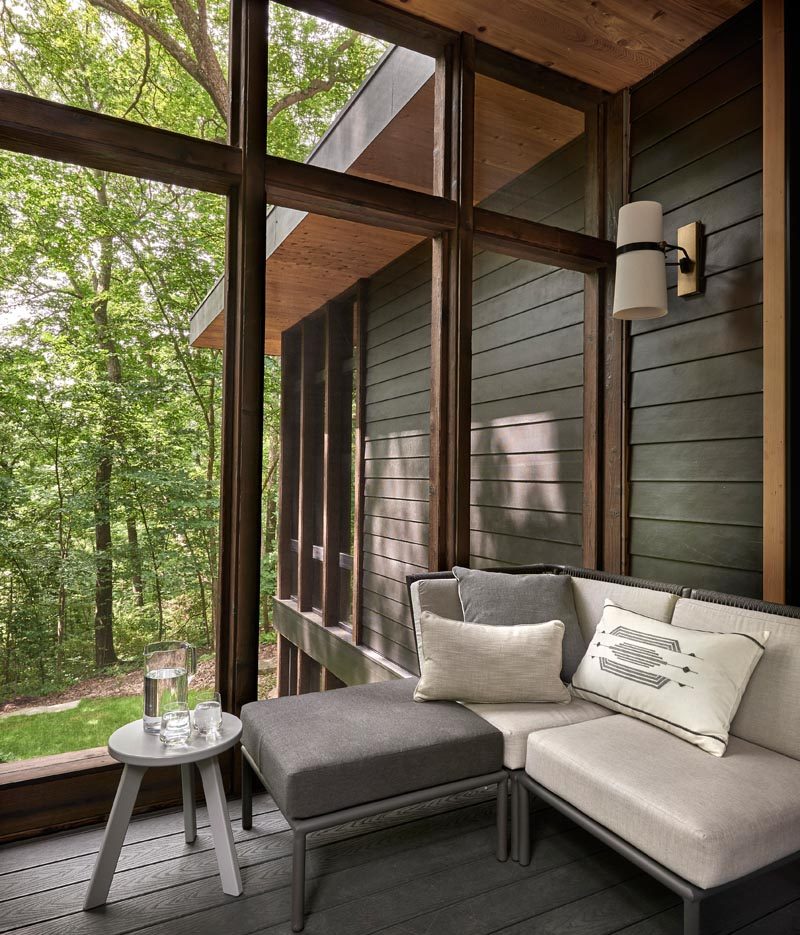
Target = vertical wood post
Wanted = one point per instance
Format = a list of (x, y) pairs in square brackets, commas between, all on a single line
[(594, 293), (615, 355), (305, 496), (451, 319), (290, 458), (360, 377), (309, 673), (243, 378), (775, 320), (335, 499)]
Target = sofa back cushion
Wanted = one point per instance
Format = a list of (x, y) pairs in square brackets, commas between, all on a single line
[(436, 596), (496, 599), (590, 596), (769, 712)]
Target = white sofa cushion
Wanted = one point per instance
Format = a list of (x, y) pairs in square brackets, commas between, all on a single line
[(688, 682), (472, 662), (590, 596), (709, 820), (769, 713), (516, 722)]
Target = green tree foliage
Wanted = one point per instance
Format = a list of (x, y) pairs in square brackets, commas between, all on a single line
[(110, 428)]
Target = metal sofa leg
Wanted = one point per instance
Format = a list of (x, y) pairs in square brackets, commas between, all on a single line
[(247, 794), (298, 881), (514, 818), (524, 824), (502, 819), (691, 917)]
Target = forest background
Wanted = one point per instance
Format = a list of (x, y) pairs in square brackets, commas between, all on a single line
[(109, 420)]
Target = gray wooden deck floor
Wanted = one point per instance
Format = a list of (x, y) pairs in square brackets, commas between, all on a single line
[(426, 870)]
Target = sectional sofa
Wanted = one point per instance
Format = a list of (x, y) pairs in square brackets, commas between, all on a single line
[(696, 822)]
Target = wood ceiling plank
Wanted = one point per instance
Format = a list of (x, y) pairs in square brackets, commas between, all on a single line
[(607, 43)]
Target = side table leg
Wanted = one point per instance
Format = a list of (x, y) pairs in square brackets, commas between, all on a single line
[(220, 826), (187, 792), (118, 820)]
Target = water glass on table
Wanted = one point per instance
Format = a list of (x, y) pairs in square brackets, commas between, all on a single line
[(176, 725), (208, 713)]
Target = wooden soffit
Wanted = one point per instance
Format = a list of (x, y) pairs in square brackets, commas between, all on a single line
[(610, 44)]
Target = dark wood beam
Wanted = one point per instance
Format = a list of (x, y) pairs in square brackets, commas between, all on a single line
[(360, 377), (615, 354), (451, 320), (243, 372), (594, 290), (290, 459), (536, 79), (530, 240), (335, 503), (309, 417), (323, 191), (69, 134), (309, 674), (383, 22)]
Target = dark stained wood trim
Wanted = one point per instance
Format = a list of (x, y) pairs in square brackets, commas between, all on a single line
[(451, 319), (531, 240), (243, 376), (593, 312), (309, 674), (383, 22), (290, 458), (775, 324), (441, 258), (536, 79), (337, 406), (332, 647), (615, 354), (309, 329), (330, 681), (69, 134), (287, 667), (323, 191), (360, 376)]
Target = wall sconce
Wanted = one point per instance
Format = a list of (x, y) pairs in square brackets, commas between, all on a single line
[(640, 287)]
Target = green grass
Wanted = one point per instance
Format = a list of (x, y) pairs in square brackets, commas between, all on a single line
[(23, 736)]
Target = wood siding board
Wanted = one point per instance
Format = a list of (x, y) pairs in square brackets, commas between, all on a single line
[(727, 164), (547, 346), (728, 375), (734, 547), (398, 529), (514, 550), (727, 580), (734, 459), (731, 504), (537, 407), (400, 655), (544, 467), (562, 497), (360, 375), (709, 93), (528, 524), (697, 420)]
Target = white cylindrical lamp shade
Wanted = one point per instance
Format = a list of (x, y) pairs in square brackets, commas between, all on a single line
[(640, 286)]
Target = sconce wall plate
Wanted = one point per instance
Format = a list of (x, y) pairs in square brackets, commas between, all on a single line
[(690, 239)]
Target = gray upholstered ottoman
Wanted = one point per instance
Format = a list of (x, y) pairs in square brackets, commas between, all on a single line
[(332, 757)]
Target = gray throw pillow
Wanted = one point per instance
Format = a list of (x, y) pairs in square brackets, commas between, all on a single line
[(497, 599), (502, 665)]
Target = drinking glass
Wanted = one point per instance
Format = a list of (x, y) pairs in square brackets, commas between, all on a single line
[(175, 724), (208, 712)]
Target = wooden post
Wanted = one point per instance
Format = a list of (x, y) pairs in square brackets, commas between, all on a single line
[(243, 378), (334, 501), (775, 320), (593, 313), (451, 319), (305, 495), (360, 376), (615, 356), (309, 674), (290, 458), (287, 667)]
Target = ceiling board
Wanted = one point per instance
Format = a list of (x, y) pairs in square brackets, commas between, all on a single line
[(607, 43)]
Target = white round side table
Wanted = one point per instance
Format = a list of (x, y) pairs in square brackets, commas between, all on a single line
[(140, 751)]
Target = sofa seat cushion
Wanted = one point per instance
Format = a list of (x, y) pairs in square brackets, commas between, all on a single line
[(326, 751), (516, 722), (710, 820)]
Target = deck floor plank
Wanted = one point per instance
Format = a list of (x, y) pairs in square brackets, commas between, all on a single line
[(424, 870)]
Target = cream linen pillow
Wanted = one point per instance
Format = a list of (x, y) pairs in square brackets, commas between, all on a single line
[(477, 662), (687, 682)]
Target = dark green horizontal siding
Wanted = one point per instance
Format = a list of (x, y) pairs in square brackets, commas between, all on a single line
[(697, 374)]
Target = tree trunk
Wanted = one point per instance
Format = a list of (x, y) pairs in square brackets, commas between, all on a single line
[(135, 559), (104, 654)]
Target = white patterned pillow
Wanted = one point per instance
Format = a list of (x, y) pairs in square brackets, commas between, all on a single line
[(687, 682)]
